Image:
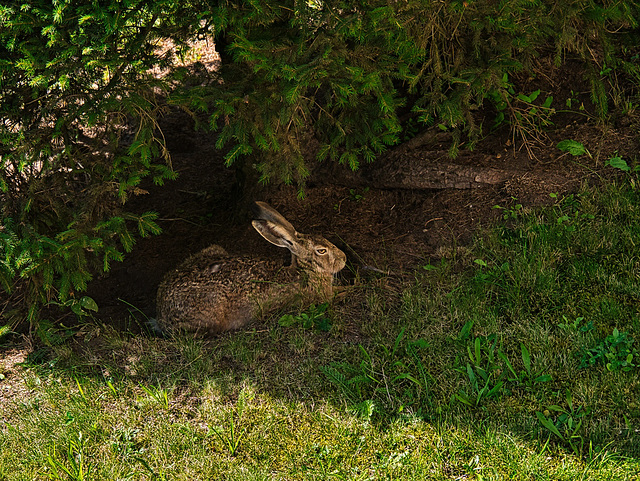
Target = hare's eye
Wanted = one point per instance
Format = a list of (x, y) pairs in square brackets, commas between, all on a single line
[(321, 250)]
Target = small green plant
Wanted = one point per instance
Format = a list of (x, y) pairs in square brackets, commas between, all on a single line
[(499, 97), (313, 318), (619, 163), (484, 372), (356, 195), (80, 307), (528, 377), (230, 437), (466, 331), (489, 371), (567, 423), (616, 352), (574, 325), (525, 113), (512, 212), (72, 464), (569, 212), (481, 385), (573, 100), (574, 147), (532, 116), (158, 394), (429, 267)]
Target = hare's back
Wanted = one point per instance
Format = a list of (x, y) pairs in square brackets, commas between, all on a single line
[(221, 272), (212, 292)]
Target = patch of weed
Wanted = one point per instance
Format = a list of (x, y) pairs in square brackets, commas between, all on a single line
[(614, 352)]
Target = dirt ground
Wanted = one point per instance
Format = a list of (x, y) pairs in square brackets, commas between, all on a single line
[(391, 229)]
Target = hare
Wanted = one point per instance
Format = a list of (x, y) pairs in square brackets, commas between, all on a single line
[(212, 292)]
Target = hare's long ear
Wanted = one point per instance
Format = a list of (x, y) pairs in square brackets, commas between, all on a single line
[(277, 234), (264, 211)]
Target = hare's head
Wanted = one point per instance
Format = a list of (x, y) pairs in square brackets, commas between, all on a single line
[(314, 254)]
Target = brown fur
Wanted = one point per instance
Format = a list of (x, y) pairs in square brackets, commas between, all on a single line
[(213, 292)]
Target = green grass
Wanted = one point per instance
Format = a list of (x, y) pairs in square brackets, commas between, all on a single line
[(498, 362)]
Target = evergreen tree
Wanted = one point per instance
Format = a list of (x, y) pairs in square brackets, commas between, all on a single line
[(342, 73), (79, 105)]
